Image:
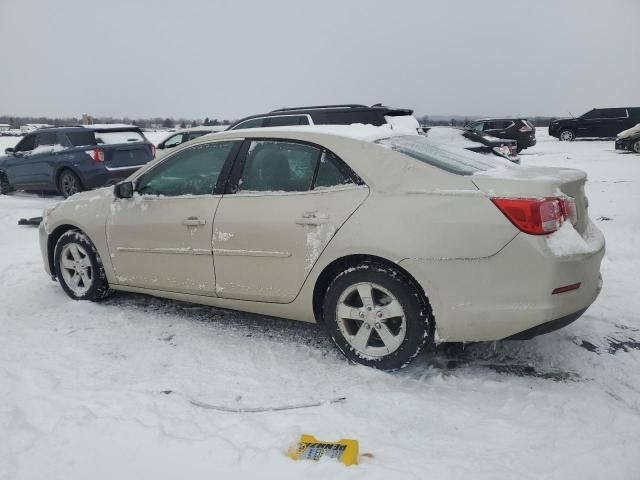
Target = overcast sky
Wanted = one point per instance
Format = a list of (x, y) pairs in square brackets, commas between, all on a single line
[(227, 59)]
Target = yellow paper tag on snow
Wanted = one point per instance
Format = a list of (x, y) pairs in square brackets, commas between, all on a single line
[(310, 448)]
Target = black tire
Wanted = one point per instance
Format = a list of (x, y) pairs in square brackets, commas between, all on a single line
[(98, 288), (567, 135), (68, 183), (5, 186), (636, 146), (417, 316), (519, 149)]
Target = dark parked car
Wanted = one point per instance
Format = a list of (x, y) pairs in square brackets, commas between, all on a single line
[(596, 123), (474, 141), (186, 134), (322, 115), (518, 129), (70, 159), (629, 139)]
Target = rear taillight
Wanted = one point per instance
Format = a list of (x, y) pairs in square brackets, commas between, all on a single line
[(525, 128), (97, 154), (153, 151), (537, 216), (569, 211)]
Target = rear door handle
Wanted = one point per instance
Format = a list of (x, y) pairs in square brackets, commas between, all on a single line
[(193, 222), (312, 218)]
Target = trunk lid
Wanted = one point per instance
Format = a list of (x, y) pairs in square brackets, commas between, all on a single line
[(536, 182)]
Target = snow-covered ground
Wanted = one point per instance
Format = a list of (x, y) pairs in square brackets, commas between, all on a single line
[(84, 388)]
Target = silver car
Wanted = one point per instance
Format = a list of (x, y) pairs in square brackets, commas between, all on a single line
[(390, 241)]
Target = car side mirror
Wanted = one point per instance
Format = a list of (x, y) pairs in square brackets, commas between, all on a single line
[(9, 151), (160, 146), (123, 190)]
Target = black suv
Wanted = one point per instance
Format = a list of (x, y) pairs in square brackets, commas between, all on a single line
[(518, 129), (598, 123), (322, 115)]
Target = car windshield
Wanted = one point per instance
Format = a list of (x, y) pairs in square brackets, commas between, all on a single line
[(454, 160)]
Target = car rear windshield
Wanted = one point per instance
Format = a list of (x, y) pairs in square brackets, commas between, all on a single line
[(111, 137), (453, 160)]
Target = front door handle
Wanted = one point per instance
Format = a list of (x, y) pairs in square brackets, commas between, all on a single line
[(193, 222), (312, 218)]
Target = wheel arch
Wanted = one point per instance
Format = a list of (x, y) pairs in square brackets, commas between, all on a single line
[(60, 170), (349, 261), (52, 241)]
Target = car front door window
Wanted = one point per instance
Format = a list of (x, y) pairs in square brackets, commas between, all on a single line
[(27, 144), (173, 141), (194, 171)]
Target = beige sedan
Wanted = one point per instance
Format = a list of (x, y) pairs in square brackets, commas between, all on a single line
[(390, 241)]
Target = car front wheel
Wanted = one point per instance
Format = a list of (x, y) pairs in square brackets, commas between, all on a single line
[(376, 317), (636, 146), (567, 135), (79, 268)]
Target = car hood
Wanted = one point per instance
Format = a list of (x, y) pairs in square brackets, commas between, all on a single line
[(630, 132)]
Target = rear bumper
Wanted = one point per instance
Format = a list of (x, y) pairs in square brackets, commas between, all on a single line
[(548, 327), (509, 293)]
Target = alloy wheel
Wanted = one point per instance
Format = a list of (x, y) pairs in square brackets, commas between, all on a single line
[(76, 269), (69, 184), (566, 135), (636, 146), (371, 319)]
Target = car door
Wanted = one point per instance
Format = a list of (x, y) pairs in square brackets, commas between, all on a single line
[(32, 160), (286, 201), (590, 124), (161, 238), (614, 121), (17, 165)]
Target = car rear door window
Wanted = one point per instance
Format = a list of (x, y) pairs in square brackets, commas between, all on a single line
[(81, 138), (613, 113), (329, 173), (251, 123), (286, 120), (194, 171), (278, 166)]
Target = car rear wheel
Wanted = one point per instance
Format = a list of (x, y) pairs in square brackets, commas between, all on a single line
[(69, 183), (376, 317), (79, 268), (636, 146), (567, 135), (5, 186)]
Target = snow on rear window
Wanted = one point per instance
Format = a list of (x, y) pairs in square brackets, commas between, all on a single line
[(453, 160), (118, 137)]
